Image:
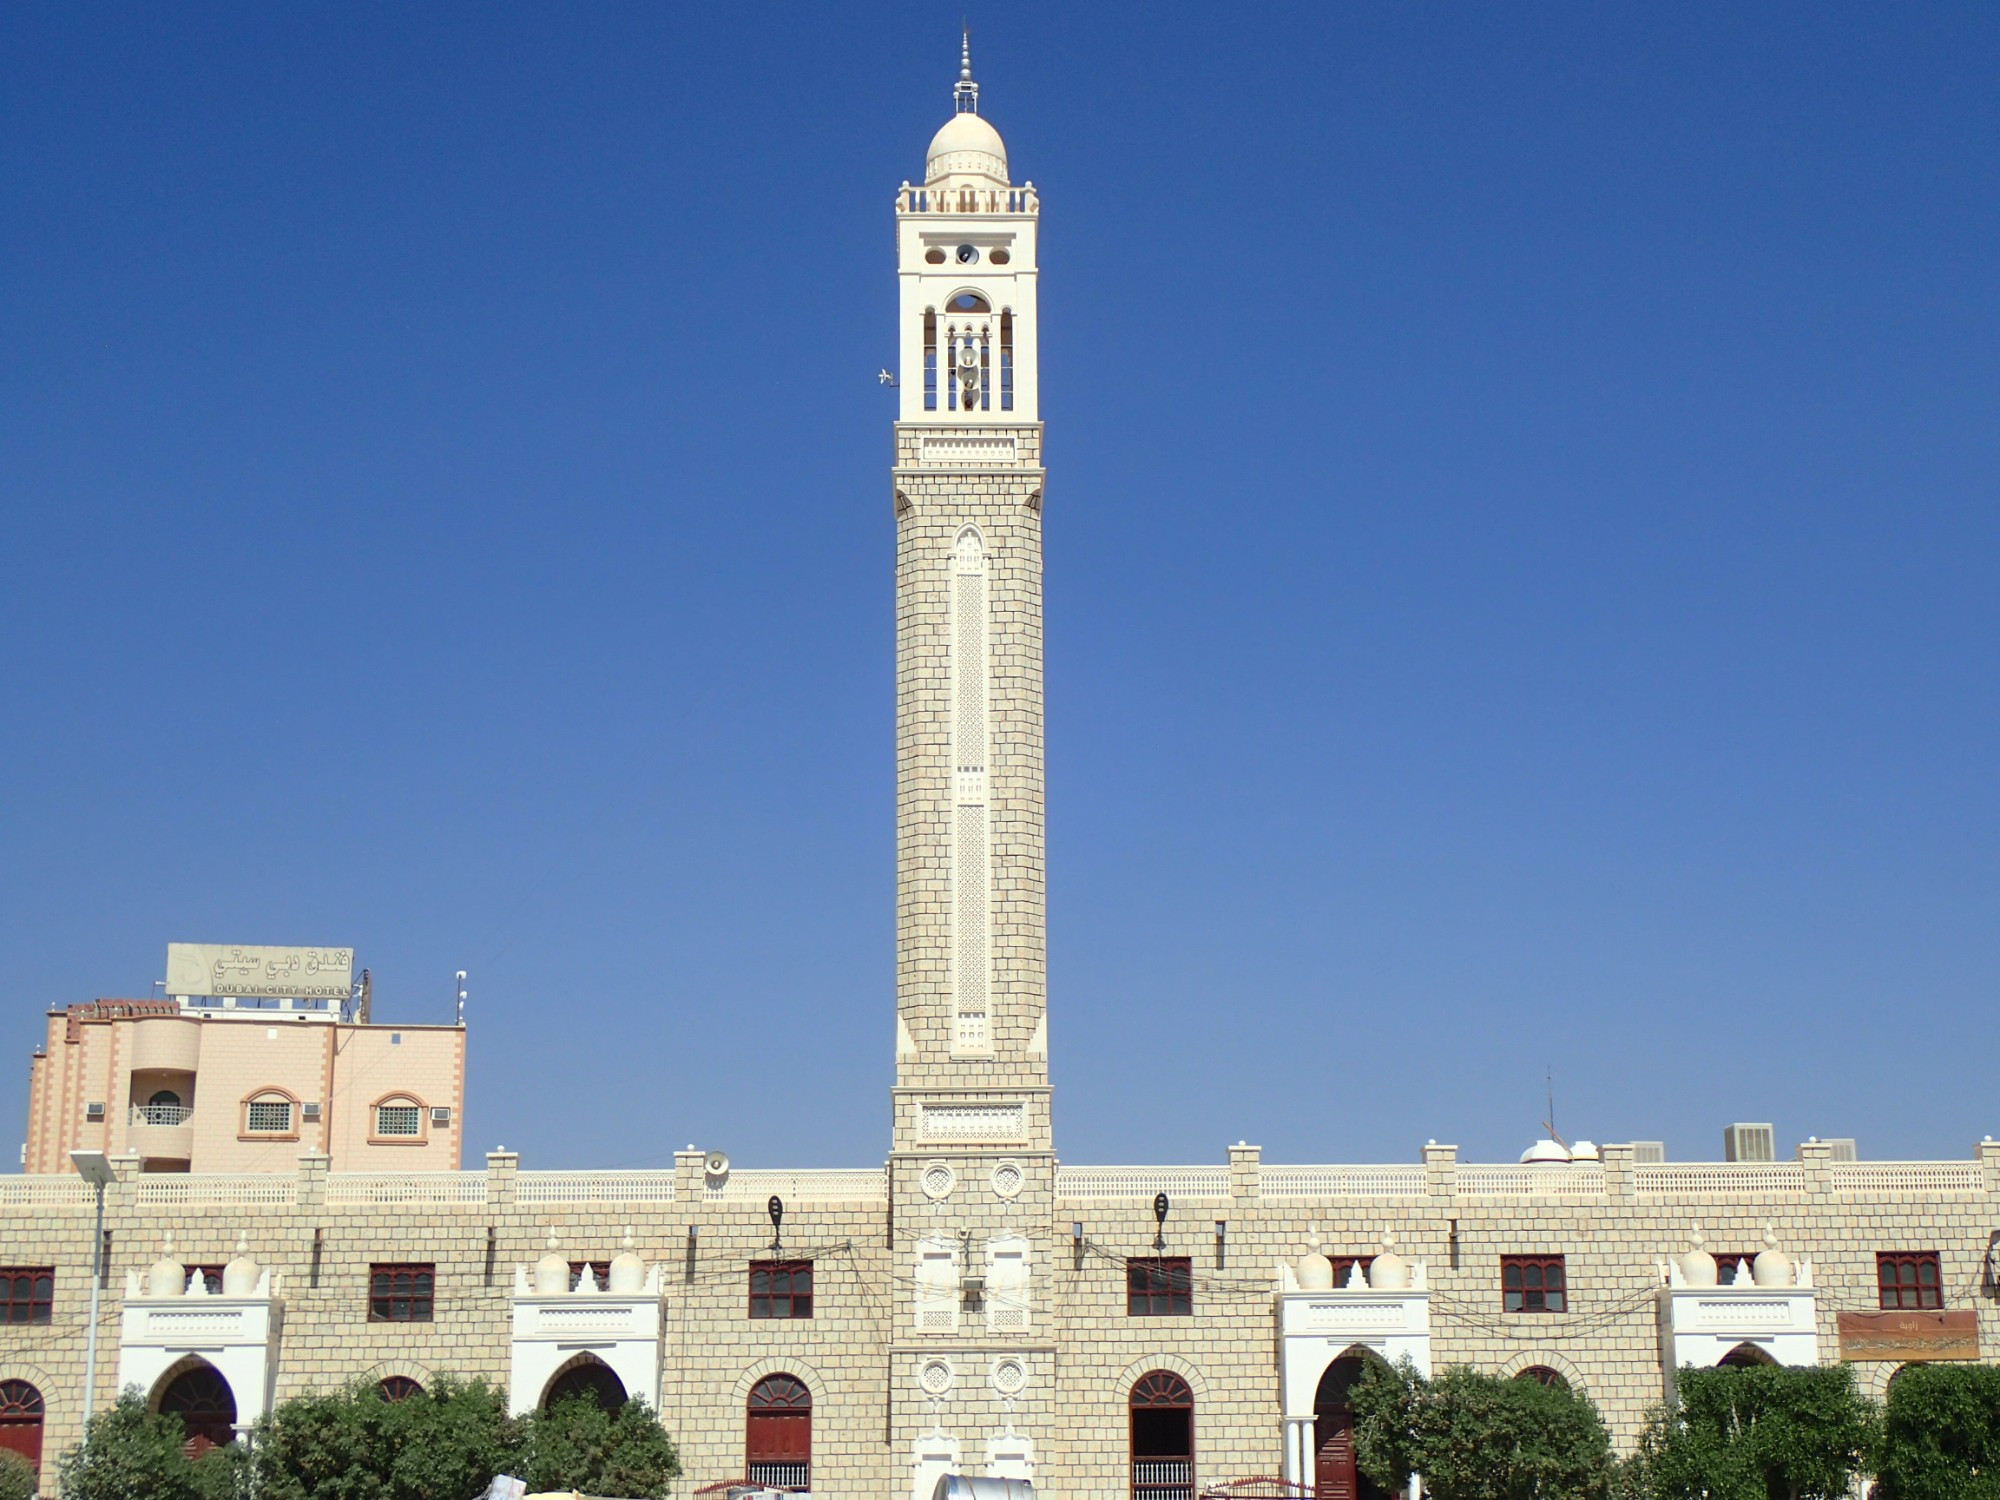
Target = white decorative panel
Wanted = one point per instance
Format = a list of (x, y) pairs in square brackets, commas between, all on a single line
[(1007, 1295), (937, 1286), (974, 1122), (971, 878)]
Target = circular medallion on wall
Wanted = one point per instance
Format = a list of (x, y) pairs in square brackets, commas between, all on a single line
[(938, 1181), (1009, 1375), (934, 1377), (1007, 1177)]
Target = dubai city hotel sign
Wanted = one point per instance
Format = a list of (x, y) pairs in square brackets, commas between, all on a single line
[(234, 969)]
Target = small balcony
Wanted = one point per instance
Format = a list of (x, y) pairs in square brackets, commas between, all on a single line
[(162, 1132)]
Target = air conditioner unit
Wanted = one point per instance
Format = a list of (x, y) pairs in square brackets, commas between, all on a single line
[(93, 1111), (1651, 1152), (1843, 1147), (440, 1114), (1749, 1143), (309, 1111)]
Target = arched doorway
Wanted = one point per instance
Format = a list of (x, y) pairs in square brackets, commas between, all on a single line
[(21, 1420), (590, 1378), (1746, 1357), (1162, 1410), (1335, 1476), (778, 1433), (201, 1398)]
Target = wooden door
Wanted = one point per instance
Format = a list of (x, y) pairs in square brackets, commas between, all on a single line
[(1333, 1469)]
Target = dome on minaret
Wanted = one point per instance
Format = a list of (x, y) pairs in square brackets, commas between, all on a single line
[(967, 145)]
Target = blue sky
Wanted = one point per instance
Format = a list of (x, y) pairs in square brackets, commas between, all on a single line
[(1521, 544)]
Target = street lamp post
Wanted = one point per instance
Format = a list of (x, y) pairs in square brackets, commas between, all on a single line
[(94, 1167)]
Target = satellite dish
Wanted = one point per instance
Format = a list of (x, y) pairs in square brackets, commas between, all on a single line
[(716, 1164)]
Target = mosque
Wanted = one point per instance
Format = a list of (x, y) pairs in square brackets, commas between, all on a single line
[(972, 1304)]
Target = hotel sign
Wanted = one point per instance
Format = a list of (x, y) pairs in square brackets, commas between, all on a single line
[(1909, 1335), (232, 969)]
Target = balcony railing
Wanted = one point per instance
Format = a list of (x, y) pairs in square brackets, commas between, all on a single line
[(162, 1114), (1162, 1479), (782, 1476)]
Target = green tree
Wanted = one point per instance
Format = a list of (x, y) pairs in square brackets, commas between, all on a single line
[(1942, 1434), (17, 1476), (1763, 1432), (578, 1445), (443, 1443), (1479, 1437), (130, 1453)]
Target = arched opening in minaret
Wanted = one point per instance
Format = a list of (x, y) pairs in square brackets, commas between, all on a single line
[(930, 359), (1007, 359)]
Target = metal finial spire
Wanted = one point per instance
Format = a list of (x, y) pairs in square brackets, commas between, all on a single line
[(965, 94)]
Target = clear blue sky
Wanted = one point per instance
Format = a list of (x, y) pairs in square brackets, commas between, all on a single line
[(1521, 545)]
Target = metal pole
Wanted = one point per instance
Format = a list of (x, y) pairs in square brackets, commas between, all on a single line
[(96, 1289)]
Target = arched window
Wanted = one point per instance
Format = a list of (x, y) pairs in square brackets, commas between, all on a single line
[(1543, 1375), (778, 1433), (1162, 1437), (968, 302), (270, 1112), (399, 1388), (201, 1398), (1746, 1357), (591, 1379), (398, 1118), (21, 1420)]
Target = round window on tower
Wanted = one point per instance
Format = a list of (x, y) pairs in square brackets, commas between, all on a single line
[(934, 256), (1000, 257), (968, 255)]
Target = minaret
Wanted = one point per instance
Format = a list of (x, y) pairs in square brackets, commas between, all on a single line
[(971, 1169), (971, 1044)]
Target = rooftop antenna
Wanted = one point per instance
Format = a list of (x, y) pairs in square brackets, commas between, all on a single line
[(461, 997), (1549, 1078), (965, 93)]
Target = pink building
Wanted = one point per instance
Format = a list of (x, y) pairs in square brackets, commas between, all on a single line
[(245, 1087)]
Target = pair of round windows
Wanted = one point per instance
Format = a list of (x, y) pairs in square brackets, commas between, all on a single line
[(965, 255)]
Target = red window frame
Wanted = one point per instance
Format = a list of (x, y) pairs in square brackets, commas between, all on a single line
[(1342, 1264), (1542, 1375), (1901, 1283), (21, 1414), (396, 1388), (781, 1289), (777, 1437), (1159, 1286), (600, 1272), (27, 1294), (402, 1292), (1534, 1284)]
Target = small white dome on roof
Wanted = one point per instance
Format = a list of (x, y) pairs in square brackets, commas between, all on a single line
[(966, 143), (1546, 1152), (167, 1278), (551, 1271), (240, 1276), (626, 1273)]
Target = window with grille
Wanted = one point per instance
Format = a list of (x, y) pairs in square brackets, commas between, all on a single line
[(399, 1388), (1909, 1279), (1534, 1284), (781, 1289), (399, 1119), (1543, 1375), (401, 1294), (268, 1116), (28, 1292), (1159, 1287), (1162, 1437)]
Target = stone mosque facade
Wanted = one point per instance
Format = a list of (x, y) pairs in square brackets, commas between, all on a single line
[(974, 1305)]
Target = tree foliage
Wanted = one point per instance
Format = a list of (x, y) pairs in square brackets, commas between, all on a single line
[(127, 1453), (1765, 1432), (443, 1443), (578, 1445), (17, 1476), (1479, 1437), (1942, 1434)]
